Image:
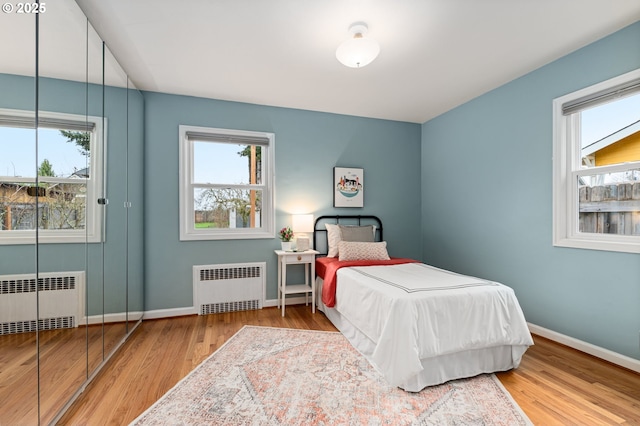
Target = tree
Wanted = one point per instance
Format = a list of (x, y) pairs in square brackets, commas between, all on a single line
[(228, 199), (46, 169), (82, 139), (246, 152)]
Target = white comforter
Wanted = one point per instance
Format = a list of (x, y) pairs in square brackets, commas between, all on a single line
[(415, 311)]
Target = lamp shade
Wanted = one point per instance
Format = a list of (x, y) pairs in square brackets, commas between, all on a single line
[(358, 51), (302, 223)]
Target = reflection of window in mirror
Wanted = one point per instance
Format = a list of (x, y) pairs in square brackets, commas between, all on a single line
[(68, 174)]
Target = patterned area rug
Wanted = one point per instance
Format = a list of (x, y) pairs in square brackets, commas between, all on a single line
[(276, 376)]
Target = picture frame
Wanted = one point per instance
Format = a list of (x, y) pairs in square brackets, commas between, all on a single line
[(348, 187)]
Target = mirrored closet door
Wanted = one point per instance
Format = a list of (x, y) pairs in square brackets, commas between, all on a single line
[(18, 262), (71, 278)]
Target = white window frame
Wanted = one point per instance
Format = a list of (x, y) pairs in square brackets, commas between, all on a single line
[(567, 168), (188, 232), (97, 164)]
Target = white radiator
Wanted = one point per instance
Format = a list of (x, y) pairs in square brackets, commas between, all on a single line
[(59, 299), (228, 288)]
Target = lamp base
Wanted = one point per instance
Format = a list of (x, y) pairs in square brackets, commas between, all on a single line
[(302, 243)]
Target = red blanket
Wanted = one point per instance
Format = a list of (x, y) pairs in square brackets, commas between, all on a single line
[(327, 268)]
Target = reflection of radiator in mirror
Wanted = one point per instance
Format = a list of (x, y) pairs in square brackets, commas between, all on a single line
[(60, 301)]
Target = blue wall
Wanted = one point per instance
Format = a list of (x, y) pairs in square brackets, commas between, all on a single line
[(487, 202), (308, 146)]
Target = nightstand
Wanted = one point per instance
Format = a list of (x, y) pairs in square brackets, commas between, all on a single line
[(306, 258)]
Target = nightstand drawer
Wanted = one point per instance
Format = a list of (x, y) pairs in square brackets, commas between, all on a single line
[(299, 258)]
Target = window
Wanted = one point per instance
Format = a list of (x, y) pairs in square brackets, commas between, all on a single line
[(47, 185), (226, 184), (596, 166)]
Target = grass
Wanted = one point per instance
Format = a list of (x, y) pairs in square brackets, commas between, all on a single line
[(205, 225)]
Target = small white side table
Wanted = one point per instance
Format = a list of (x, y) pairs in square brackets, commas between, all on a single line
[(306, 258)]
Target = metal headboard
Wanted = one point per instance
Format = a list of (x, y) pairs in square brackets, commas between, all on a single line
[(320, 231)]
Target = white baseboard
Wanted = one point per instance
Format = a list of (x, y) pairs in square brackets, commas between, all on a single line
[(116, 317), (606, 354), (190, 310), (167, 313)]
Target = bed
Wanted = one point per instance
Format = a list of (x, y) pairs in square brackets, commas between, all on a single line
[(418, 325)]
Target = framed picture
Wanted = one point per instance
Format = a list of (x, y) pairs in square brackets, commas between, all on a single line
[(348, 187)]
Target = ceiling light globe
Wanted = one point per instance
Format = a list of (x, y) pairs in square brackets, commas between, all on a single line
[(358, 52)]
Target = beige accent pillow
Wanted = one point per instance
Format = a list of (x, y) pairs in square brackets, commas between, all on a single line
[(355, 250)]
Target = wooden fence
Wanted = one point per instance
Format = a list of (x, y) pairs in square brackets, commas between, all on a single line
[(610, 209)]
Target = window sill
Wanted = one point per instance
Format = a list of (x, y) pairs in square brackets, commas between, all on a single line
[(222, 235), (30, 238), (621, 244)]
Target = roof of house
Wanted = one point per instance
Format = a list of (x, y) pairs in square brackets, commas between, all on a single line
[(611, 139), (83, 173)]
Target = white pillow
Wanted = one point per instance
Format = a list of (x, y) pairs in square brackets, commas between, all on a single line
[(354, 250), (333, 238)]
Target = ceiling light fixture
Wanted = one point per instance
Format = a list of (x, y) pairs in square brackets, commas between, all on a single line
[(358, 51)]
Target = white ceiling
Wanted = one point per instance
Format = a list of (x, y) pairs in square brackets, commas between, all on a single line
[(435, 54)]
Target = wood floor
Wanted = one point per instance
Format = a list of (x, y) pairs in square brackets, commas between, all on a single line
[(554, 385), (66, 356)]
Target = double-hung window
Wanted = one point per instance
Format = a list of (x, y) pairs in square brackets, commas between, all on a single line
[(596, 170), (50, 177), (226, 184)]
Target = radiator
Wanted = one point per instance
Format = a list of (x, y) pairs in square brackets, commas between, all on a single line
[(60, 304), (228, 288)]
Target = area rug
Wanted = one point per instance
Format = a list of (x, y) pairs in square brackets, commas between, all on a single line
[(277, 376)]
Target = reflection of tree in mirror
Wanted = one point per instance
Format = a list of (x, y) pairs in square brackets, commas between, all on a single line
[(15, 212), (82, 139), (61, 206), (65, 207), (46, 169)]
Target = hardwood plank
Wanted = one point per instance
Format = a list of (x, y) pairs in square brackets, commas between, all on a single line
[(573, 387), (554, 385)]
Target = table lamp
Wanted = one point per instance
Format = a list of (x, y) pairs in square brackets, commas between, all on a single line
[(302, 224)]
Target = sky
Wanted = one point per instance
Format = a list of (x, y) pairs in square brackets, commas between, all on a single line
[(220, 163)]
